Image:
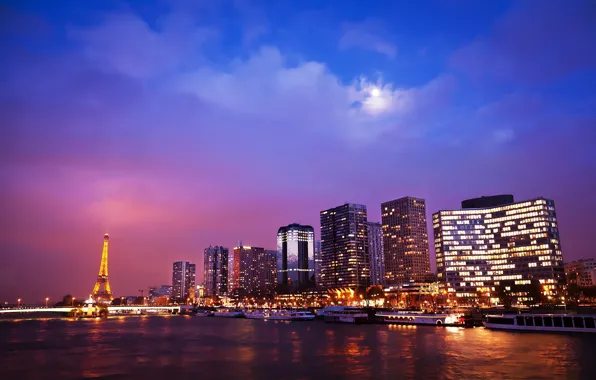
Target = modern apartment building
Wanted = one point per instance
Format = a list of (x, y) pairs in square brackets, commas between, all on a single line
[(511, 247), (317, 263), (256, 271), (405, 241), (581, 272), (215, 270), (183, 280), (344, 247), (375, 252)]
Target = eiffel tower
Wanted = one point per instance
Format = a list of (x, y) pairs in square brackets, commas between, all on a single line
[(102, 277)]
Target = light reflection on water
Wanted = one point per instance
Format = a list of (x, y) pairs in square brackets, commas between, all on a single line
[(219, 348)]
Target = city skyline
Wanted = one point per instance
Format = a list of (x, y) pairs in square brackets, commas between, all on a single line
[(174, 126), (198, 266)]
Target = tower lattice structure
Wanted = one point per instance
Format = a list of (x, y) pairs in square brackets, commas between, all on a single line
[(102, 277)]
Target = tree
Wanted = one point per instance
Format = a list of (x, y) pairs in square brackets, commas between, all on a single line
[(573, 292), (535, 292), (504, 296), (69, 300), (284, 289), (373, 293)]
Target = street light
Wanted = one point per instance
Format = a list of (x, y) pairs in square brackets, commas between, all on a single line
[(19, 302), (72, 301), (47, 299)]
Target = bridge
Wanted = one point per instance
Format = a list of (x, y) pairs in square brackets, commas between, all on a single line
[(132, 309), (37, 310)]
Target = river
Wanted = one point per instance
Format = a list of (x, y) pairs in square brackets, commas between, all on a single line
[(184, 347)]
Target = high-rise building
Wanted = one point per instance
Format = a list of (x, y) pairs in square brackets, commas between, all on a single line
[(215, 271), (234, 270), (405, 241), (344, 247), (581, 272), (295, 255), (511, 247), (256, 270), (317, 263), (375, 253), (183, 280)]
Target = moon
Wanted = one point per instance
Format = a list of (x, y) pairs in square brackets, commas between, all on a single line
[(375, 92)]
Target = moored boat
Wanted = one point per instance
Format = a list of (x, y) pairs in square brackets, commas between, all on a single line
[(321, 312), (204, 313), (346, 315), (228, 313), (420, 318), (255, 314), (281, 315), (542, 322)]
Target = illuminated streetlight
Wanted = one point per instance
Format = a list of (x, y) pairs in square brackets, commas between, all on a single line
[(19, 302), (72, 301), (47, 299)]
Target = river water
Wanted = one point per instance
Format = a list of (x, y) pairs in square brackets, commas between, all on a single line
[(184, 347)]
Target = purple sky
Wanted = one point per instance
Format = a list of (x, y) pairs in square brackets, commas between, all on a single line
[(175, 125)]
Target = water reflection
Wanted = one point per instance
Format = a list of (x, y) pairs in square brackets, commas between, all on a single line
[(213, 348)]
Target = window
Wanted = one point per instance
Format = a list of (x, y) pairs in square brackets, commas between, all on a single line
[(567, 322), (519, 320), (578, 322), (529, 321), (538, 321), (557, 322), (501, 321), (548, 321), (589, 321)]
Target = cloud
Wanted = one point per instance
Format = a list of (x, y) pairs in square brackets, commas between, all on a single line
[(536, 42), (134, 129), (254, 18), (126, 43), (503, 135), (367, 35), (310, 95)]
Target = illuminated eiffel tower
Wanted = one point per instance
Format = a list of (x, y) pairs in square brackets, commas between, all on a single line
[(102, 277)]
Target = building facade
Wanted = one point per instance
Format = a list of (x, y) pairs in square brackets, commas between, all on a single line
[(514, 247), (344, 247), (256, 271), (164, 291), (215, 270), (375, 252), (183, 280), (295, 255), (405, 241), (317, 263), (581, 272)]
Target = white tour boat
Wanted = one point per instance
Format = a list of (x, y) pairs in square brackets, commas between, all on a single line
[(228, 313), (281, 315), (420, 318), (346, 315), (542, 322)]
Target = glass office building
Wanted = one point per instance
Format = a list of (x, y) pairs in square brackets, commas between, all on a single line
[(295, 255), (508, 247)]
